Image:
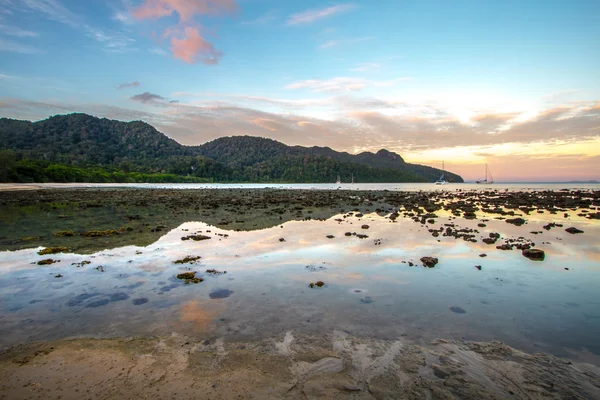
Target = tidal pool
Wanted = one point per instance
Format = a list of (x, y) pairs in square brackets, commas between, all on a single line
[(258, 286)]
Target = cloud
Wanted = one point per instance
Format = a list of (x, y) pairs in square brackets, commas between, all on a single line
[(263, 19), (53, 10), (15, 47), (158, 51), (343, 42), (116, 42), (186, 42), (16, 31), (306, 17), (147, 98), (186, 9), (134, 84), (341, 84), (394, 125), (192, 48)]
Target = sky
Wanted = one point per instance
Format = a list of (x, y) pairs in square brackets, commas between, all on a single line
[(514, 83)]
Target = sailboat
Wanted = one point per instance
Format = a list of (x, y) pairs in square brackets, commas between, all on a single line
[(339, 181), (352, 179), (488, 176), (442, 180)]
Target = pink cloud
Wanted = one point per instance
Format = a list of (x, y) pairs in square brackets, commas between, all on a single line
[(187, 9), (186, 42), (193, 48)]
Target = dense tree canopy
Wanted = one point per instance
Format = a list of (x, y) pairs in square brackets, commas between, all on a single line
[(83, 148)]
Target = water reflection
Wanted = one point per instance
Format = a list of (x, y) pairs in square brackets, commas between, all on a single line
[(370, 287)]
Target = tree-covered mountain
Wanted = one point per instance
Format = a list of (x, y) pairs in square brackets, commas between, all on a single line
[(83, 148)]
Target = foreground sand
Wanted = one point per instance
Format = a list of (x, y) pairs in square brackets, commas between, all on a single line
[(331, 366)]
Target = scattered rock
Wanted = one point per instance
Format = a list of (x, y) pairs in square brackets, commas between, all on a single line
[(119, 297), (364, 227), (319, 284), (189, 277), (81, 264), (478, 267), (52, 250), (188, 260), (47, 261), (534, 254), (98, 303), (196, 238), (429, 262), (516, 221), (573, 230), (215, 272), (139, 301), (220, 293), (457, 310)]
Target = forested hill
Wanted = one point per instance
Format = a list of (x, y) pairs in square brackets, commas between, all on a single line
[(83, 148)]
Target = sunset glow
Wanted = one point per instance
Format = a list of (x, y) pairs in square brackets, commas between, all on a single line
[(467, 83)]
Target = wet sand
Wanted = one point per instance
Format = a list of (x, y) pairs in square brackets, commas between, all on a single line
[(335, 365), (321, 344)]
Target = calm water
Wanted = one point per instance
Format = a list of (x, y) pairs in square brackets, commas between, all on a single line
[(369, 291)]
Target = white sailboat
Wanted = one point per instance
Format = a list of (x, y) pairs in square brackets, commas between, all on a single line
[(488, 176), (442, 180), (339, 181)]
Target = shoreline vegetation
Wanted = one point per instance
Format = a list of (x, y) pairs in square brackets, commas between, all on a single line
[(83, 148)]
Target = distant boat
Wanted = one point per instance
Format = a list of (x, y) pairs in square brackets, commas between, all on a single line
[(442, 180), (488, 177), (339, 181)]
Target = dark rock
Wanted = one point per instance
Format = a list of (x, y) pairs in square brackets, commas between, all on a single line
[(139, 301), (534, 254), (196, 238), (98, 303), (457, 310), (220, 293), (429, 262), (47, 261), (573, 230), (188, 259), (119, 297), (478, 267), (516, 221)]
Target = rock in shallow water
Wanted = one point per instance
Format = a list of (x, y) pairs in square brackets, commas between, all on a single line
[(534, 254), (457, 310), (220, 293), (429, 262), (573, 230), (140, 301)]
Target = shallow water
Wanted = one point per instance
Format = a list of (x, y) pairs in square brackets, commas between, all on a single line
[(513, 186), (370, 289)]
